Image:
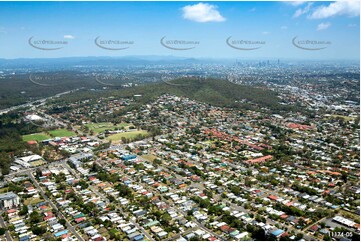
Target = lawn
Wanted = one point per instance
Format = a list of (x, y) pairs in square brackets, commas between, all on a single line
[(37, 136), (128, 135), (4, 189), (347, 118), (149, 157), (101, 127), (37, 163), (349, 215), (61, 133), (44, 136), (32, 201)]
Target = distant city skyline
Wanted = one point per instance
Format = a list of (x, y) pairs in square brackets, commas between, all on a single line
[(249, 30)]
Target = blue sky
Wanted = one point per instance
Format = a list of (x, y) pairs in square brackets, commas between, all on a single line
[(209, 24)]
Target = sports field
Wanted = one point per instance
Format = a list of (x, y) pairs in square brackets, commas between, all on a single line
[(44, 136), (101, 127), (128, 135), (61, 133), (37, 137)]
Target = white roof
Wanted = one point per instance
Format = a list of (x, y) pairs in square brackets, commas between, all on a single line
[(31, 158), (34, 117)]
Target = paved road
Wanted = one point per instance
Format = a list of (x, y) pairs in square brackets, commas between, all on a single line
[(27, 170), (149, 237), (68, 225), (6, 110), (175, 237), (7, 233), (319, 221), (236, 207), (102, 196)]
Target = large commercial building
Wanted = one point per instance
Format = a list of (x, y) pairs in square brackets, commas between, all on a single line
[(9, 200)]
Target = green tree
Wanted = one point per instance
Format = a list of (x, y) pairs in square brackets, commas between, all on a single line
[(35, 217), (38, 230)]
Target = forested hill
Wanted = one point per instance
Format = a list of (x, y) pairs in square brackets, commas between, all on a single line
[(216, 92), (213, 91)]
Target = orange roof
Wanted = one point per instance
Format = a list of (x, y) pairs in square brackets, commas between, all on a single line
[(65, 236), (154, 198), (11, 211), (272, 197), (78, 220), (299, 126), (260, 159), (289, 204)]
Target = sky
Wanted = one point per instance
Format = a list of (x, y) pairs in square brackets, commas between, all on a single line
[(296, 30)]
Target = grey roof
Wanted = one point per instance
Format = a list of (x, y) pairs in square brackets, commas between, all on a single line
[(7, 196)]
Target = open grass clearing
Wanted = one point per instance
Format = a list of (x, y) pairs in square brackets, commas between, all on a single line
[(101, 127), (129, 135), (37, 137)]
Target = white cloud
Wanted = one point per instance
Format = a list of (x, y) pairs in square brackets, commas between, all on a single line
[(68, 36), (296, 3), (351, 25), (323, 26), (266, 32), (302, 11), (349, 8), (202, 12)]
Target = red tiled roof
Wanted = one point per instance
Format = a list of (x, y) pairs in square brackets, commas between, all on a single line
[(11, 211), (289, 204), (225, 228), (48, 217), (314, 228), (272, 197), (78, 220), (299, 126), (260, 159)]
